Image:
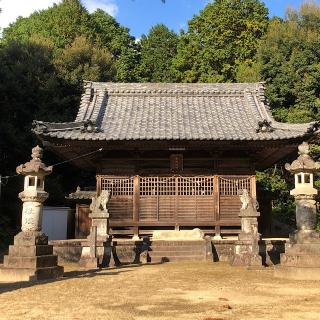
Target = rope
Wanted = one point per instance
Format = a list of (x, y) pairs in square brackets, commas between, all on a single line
[(82, 156)]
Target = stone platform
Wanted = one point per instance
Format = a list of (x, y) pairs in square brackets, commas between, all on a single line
[(30, 259), (301, 261), (128, 251)]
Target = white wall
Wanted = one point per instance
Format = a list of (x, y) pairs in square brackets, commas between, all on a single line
[(55, 222)]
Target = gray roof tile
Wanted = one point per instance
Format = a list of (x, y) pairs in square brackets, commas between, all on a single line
[(149, 111)]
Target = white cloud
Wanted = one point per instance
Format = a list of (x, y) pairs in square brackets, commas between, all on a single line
[(12, 9), (109, 6)]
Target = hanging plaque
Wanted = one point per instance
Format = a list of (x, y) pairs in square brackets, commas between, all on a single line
[(176, 162)]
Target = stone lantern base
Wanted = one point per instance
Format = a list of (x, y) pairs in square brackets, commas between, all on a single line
[(301, 260), (30, 258)]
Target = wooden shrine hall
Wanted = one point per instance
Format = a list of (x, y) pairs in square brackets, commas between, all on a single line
[(174, 155)]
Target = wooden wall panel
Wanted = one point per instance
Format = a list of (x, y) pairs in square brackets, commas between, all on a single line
[(121, 207), (148, 208), (176, 199)]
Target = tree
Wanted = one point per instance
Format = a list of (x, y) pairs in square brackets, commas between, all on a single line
[(158, 49), (116, 38), (219, 39), (289, 63), (61, 24), (83, 60)]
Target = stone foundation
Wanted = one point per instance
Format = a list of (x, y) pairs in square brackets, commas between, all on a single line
[(30, 259), (128, 251), (301, 260)]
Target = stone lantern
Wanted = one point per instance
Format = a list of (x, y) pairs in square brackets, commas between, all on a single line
[(304, 193), (301, 259), (33, 194), (31, 258)]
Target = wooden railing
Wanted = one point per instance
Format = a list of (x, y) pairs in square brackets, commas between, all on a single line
[(175, 200)]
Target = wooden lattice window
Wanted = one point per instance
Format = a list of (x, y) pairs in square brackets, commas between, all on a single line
[(230, 186), (118, 186), (198, 186), (167, 186), (154, 186)]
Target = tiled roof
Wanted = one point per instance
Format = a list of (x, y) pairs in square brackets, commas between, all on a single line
[(149, 111)]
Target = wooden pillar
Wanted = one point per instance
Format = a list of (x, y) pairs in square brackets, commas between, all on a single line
[(136, 198), (253, 187), (98, 180), (217, 230), (177, 227)]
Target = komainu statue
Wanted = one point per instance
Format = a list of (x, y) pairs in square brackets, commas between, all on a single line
[(247, 201), (99, 214), (99, 203)]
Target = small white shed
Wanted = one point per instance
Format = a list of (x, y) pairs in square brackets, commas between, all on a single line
[(55, 222)]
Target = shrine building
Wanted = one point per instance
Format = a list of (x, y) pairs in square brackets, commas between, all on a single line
[(174, 156)]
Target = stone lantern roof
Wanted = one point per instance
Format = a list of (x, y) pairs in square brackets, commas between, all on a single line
[(304, 163), (35, 165)]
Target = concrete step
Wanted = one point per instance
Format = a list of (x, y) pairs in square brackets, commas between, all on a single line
[(182, 248), (29, 251), (190, 250), (174, 243), (30, 262), (177, 253), (174, 259)]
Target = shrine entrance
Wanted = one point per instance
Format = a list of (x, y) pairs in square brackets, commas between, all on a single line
[(195, 201)]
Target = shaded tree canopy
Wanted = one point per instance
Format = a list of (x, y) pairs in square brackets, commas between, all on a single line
[(223, 35)]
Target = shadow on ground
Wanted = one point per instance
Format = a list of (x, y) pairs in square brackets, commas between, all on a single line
[(11, 286)]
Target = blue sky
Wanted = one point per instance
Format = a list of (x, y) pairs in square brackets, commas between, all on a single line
[(138, 15)]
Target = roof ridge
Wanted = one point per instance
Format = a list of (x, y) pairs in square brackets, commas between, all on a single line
[(174, 88)]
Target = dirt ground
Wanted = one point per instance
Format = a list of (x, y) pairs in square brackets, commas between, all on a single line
[(204, 291)]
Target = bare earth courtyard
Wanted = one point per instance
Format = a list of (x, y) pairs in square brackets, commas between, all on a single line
[(206, 291)]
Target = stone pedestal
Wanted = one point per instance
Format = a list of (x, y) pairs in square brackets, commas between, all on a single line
[(301, 260), (30, 259), (102, 259), (246, 248), (246, 252), (96, 251)]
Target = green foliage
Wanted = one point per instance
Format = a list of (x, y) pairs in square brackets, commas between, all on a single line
[(83, 60), (158, 48), (289, 62), (116, 38), (272, 180), (284, 209), (61, 24), (29, 89), (222, 37)]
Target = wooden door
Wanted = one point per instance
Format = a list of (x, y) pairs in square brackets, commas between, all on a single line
[(176, 198), (83, 222)]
